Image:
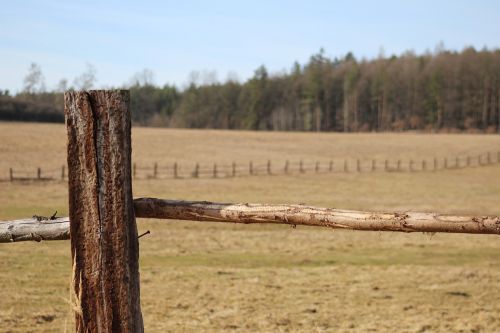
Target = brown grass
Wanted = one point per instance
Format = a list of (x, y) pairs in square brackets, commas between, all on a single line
[(212, 277)]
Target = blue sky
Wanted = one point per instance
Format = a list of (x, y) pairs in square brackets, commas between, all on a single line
[(173, 38)]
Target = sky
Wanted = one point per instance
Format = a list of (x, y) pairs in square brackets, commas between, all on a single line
[(231, 38)]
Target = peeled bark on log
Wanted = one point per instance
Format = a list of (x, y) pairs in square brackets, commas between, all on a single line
[(31, 229)]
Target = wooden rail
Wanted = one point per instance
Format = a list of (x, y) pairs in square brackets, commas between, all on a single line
[(35, 229)]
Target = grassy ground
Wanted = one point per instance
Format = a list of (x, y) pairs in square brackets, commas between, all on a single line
[(225, 277)]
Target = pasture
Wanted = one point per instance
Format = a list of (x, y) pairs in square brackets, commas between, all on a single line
[(223, 277)]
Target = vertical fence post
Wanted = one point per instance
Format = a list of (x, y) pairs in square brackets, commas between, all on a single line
[(399, 165), (250, 168), (63, 172), (374, 165), (196, 172), (215, 170), (386, 165), (330, 167), (316, 167), (358, 165), (268, 167), (155, 170), (234, 170), (104, 243), (286, 167), (424, 165), (175, 170), (39, 173), (11, 174)]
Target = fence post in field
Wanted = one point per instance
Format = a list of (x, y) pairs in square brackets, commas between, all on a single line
[(63, 172), (233, 173), (286, 167), (250, 168), (358, 165), (316, 167), (374, 165), (175, 170), (104, 243), (38, 173), (11, 174), (155, 170), (268, 167), (301, 167), (215, 170), (196, 172), (386, 166), (424, 165), (399, 165), (330, 167)]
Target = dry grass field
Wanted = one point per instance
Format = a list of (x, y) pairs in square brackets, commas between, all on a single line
[(213, 277)]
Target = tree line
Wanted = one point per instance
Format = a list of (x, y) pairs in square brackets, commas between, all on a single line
[(435, 91)]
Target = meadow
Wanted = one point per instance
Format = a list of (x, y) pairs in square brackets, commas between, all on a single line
[(212, 277)]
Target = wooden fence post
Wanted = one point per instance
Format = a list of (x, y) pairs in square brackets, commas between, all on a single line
[(38, 173), (215, 170), (330, 167), (11, 174), (234, 169), (268, 167), (358, 165), (374, 165), (196, 172), (104, 243), (399, 165), (175, 170), (155, 170), (63, 172), (386, 165), (250, 168), (424, 165), (286, 167), (316, 167), (301, 167)]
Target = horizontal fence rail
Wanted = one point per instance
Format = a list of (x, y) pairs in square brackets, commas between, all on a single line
[(40, 228), (263, 168)]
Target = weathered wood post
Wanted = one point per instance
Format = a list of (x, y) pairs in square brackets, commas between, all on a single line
[(104, 243), (63, 172), (155, 170), (234, 170), (11, 174), (386, 165), (268, 167), (175, 170), (358, 165), (424, 165), (215, 170), (330, 167), (39, 173), (250, 168), (196, 172), (399, 165), (374, 165), (286, 167), (316, 167)]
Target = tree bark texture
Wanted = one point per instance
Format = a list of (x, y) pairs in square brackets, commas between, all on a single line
[(104, 244)]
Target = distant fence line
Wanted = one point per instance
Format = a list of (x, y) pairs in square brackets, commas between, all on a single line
[(251, 168)]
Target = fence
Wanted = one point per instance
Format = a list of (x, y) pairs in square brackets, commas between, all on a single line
[(102, 226), (238, 169)]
